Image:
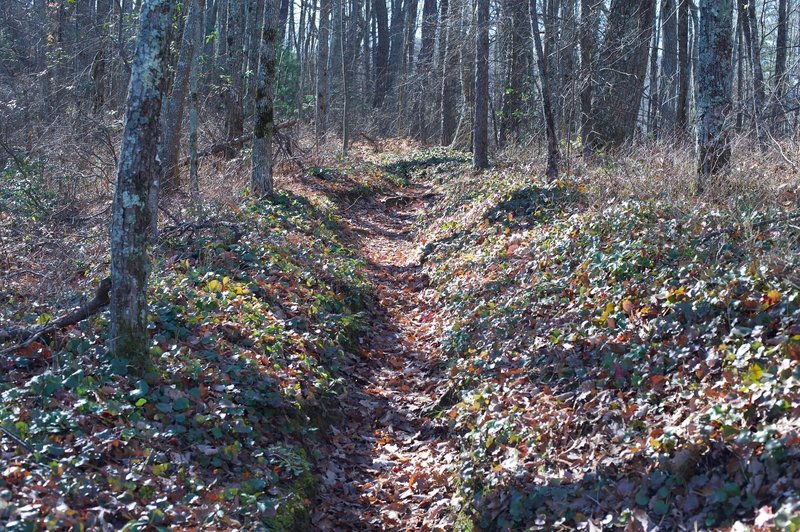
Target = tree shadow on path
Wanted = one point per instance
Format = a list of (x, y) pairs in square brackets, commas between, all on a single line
[(388, 464)]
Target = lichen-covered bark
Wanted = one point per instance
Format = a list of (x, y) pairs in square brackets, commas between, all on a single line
[(138, 167), (714, 77), (264, 126)]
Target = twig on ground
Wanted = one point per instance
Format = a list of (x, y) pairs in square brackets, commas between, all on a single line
[(19, 441), (28, 335)]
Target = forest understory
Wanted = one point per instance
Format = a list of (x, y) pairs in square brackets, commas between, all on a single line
[(397, 342)]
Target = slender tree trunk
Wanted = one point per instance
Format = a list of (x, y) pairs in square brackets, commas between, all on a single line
[(395, 46), (684, 66), (174, 106), (131, 216), (715, 43), (255, 24), (194, 103), (480, 147), (321, 119), (741, 57), (424, 65), (42, 71), (462, 140), (747, 13), (264, 127), (589, 22), (517, 19), (669, 64), (449, 66), (547, 106), (653, 88), (345, 95), (381, 52), (234, 116), (781, 43)]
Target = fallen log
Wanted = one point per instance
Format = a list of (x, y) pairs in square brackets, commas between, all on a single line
[(27, 335)]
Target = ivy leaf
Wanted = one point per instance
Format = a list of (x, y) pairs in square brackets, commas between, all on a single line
[(180, 404)]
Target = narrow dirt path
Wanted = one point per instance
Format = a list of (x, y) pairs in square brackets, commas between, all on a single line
[(390, 467)]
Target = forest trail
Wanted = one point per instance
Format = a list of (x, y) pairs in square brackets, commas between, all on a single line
[(390, 466)]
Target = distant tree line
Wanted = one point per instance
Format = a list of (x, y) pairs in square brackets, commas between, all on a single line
[(614, 70)]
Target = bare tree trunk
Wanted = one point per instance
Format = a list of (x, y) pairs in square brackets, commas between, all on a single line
[(747, 13), (714, 87), (740, 82), (40, 12), (194, 80), (516, 17), (669, 64), (462, 140), (423, 74), (449, 66), (174, 107), (480, 145), (264, 127), (589, 23), (345, 95), (684, 66), (321, 119), (395, 46), (138, 167), (547, 106), (255, 25), (653, 99), (381, 52), (780, 64), (623, 63), (234, 100)]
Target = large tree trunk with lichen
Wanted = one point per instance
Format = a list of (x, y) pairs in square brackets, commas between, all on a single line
[(714, 78), (623, 66), (264, 128), (138, 167)]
